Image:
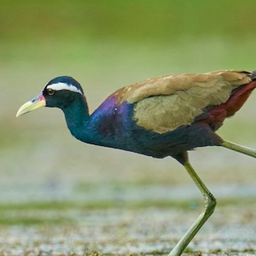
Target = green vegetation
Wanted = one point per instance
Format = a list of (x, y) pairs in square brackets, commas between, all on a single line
[(183, 35), (115, 204), (55, 213)]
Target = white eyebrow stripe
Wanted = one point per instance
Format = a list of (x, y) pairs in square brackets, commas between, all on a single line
[(64, 86)]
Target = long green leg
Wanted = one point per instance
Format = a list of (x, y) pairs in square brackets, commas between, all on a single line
[(239, 148), (210, 203)]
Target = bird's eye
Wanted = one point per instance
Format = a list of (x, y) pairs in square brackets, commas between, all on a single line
[(50, 91)]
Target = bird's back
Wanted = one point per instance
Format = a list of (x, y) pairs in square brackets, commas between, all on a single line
[(165, 103)]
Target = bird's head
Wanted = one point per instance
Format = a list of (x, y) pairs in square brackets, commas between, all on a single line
[(60, 92)]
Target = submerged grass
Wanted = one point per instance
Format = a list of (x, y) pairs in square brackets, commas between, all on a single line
[(34, 221), (46, 212), (116, 204)]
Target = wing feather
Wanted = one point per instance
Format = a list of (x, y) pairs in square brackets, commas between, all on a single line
[(162, 104)]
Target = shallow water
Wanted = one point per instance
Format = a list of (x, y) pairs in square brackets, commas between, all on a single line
[(147, 231)]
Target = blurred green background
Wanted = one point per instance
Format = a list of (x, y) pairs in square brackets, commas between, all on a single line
[(106, 45)]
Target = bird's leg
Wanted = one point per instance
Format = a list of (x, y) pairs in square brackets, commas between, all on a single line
[(210, 203), (241, 149)]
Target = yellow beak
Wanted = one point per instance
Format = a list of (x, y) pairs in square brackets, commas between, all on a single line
[(31, 105)]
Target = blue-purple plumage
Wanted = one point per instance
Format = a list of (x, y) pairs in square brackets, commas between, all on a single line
[(112, 125)]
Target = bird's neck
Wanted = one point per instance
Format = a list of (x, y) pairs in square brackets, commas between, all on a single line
[(77, 115)]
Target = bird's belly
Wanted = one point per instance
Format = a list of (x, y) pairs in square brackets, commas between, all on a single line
[(139, 140)]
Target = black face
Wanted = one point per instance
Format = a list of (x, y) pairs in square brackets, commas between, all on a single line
[(61, 91)]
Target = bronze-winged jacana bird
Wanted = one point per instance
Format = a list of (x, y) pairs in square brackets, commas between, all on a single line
[(159, 117)]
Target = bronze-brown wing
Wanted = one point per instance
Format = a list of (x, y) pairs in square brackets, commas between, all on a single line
[(163, 104)]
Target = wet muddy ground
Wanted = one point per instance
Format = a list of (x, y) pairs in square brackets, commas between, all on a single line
[(125, 232), (121, 226)]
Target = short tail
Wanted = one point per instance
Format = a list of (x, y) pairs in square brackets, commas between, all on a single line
[(217, 114)]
